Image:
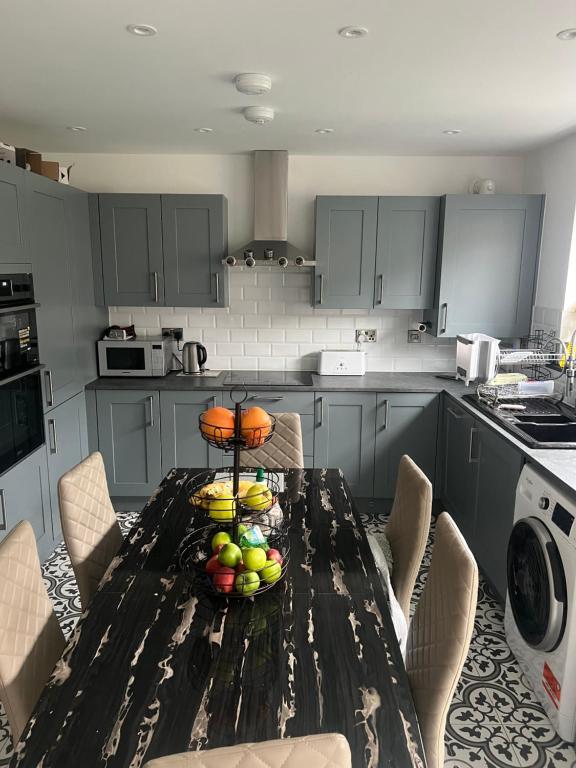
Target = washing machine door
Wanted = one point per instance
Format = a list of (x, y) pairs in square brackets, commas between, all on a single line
[(536, 584)]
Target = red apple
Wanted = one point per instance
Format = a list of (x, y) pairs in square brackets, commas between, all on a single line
[(212, 566), (223, 579), (273, 554), (240, 568)]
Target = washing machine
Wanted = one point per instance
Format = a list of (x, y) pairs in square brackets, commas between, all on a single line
[(540, 616)]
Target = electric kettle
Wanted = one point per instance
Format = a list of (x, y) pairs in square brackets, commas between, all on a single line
[(193, 357)]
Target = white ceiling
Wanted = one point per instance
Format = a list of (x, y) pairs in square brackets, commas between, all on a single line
[(494, 69)]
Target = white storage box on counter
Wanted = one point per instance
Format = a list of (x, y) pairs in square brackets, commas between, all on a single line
[(342, 362), (476, 357)]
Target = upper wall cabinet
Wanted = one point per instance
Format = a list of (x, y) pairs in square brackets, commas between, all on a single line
[(12, 241), (487, 261), (162, 250), (375, 252)]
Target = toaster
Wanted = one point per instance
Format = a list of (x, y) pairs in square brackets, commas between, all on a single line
[(342, 362)]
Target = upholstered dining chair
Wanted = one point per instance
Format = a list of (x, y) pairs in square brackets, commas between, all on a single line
[(326, 750), (284, 450), (408, 528), (440, 633), (31, 641), (89, 524)]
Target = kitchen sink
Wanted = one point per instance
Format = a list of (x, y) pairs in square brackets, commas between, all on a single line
[(544, 422)]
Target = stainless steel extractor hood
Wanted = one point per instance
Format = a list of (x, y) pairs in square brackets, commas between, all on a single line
[(270, 246)]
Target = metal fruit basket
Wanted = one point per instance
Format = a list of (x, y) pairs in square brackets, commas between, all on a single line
[(196, 550), (231, 438), (200, 489)]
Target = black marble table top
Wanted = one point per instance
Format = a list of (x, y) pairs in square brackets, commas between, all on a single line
[(157, 666)]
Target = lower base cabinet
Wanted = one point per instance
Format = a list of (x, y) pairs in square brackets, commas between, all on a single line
[(460, 475), (24, 495), (129, 440), (182, 443), (66, 446)]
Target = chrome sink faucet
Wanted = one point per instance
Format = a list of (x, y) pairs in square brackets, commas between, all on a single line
[(569, 366)]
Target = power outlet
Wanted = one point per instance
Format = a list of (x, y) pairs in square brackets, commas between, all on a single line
[(176, 333), (414, 337), (367, 336)]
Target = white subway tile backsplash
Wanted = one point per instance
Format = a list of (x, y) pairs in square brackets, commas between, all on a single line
[(271, 325)]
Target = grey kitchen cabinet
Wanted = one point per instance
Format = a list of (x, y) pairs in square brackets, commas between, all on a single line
[(182, 443), (129, 440), (194, 231), (406, 423), (12, 203), (49, 242), (460, 475), (301, 403), (345, 252), (24, 495), (499, 470), (65, 429), (487, 264), (131, 249), (345, 437), (406, 252)]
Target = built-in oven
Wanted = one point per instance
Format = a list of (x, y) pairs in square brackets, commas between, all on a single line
[(21, 410)]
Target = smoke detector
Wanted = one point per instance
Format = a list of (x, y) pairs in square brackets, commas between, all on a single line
[(259, 115), (253, 83)]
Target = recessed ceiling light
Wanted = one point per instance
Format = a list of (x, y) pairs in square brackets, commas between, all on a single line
[(76, 128), (353, 33), (567, 34), (203, 130), (142, 30), (452, 131), (324, 130)]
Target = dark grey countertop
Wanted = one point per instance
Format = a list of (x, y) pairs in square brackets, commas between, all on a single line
[(559, 465)]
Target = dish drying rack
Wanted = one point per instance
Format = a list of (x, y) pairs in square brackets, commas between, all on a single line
[(541, 357)]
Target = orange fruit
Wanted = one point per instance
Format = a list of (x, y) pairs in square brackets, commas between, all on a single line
[(217, 424), (255, 426)]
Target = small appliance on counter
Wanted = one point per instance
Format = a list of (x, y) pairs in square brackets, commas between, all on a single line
[(476, 357), (194, 358), (135, 357), (342, 362)]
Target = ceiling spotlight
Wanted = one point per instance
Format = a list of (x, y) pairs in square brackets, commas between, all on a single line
[(567, 34), (259, 115), (203, 130), (142, 30), (76, 128), (452, 131), (324, 130), (353, 33), (253, 83)]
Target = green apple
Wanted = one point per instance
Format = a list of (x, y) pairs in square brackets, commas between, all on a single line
[(247, 583), (271, 572), (259, 496), (222, 510), (219, 539), (242, 529), (254, 558), (230, 555)]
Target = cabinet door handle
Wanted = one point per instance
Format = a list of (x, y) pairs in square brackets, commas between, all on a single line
[(52, 436), (456, 415), (267, 399), (217, 276), (445, 314), (380, 289), (321, 419), (472, 459), (2, 510), (155, 281), (151, 401), (50, 389), (386, 415), (321, 298)]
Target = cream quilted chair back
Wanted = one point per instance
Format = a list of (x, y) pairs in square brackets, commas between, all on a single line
[(89, 524), (326, 750), (31, 641), (440, 634), (283, 450), (407, 529)]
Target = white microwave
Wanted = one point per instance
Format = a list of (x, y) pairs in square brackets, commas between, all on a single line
[(150, 357)]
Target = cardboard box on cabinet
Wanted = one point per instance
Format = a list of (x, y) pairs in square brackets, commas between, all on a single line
[(51, 169), (29, 160)]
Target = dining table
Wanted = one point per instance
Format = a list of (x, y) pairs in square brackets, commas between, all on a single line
[(158, 664)]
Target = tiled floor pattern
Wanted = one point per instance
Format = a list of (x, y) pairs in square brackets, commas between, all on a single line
[(495, 720)]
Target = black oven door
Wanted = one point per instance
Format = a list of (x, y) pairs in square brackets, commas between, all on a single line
[(21, 418)]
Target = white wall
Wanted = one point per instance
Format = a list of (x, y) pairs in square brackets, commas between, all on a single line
[(270, 324)]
